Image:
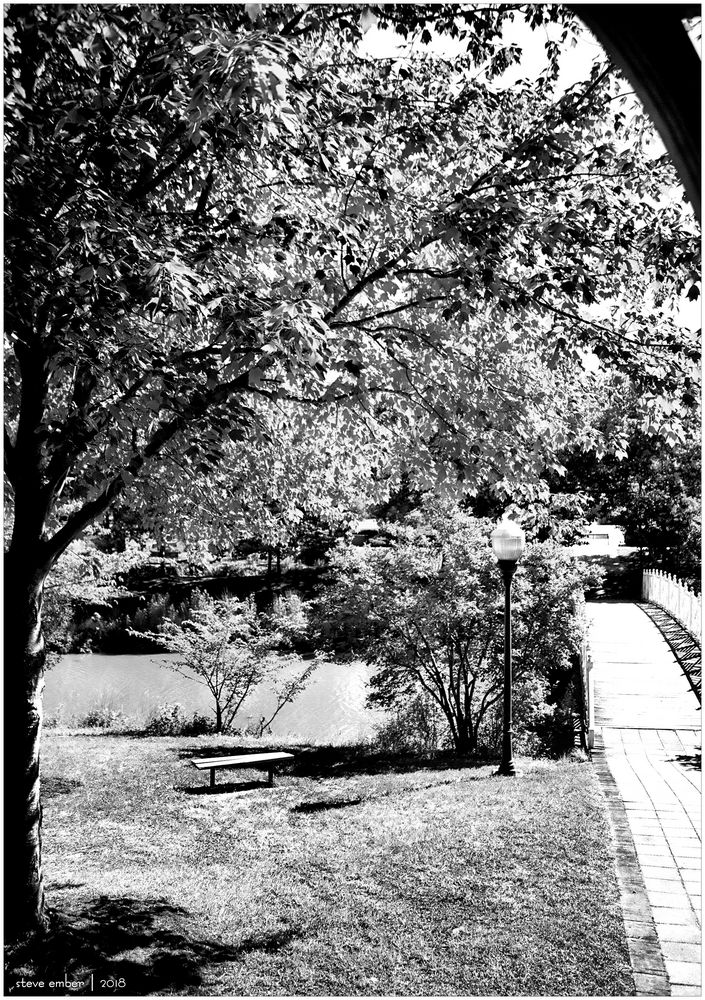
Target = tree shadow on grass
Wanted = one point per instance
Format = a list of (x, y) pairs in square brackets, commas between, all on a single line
[(317, 762), (53, 785), (222, 788), (324, 804), (142, 945)]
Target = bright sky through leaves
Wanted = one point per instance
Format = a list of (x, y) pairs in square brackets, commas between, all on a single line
[(575, 62)]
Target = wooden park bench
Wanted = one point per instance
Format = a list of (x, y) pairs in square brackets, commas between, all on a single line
[(241, 760)]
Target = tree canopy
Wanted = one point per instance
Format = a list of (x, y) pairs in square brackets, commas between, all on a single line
[(231, 207)]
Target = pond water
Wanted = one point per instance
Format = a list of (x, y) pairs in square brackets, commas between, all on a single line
[(331, 709)]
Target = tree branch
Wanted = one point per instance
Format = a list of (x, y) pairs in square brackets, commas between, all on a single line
[(140, 190), (167, 430)]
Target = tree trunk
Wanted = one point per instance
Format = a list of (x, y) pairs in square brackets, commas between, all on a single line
[(24, 685), (218, 718), (466, 737)]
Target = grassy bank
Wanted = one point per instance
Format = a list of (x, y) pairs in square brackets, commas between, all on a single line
[(354, 876)]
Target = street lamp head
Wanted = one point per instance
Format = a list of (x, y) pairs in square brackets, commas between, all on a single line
[(508, 541)]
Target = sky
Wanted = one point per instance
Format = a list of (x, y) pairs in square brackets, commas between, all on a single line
[(575, 62)]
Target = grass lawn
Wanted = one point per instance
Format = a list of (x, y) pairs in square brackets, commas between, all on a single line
[(353, 876)]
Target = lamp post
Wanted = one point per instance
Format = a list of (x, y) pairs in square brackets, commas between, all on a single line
[(507, 544)]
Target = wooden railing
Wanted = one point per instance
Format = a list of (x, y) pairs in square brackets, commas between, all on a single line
[(674, 596)]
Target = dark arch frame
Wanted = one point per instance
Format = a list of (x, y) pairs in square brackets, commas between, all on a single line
[(650, 44)]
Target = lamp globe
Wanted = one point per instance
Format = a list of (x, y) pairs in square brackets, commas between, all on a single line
[(508, 541)]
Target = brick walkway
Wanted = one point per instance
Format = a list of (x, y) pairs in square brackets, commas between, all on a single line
[(648, 743)]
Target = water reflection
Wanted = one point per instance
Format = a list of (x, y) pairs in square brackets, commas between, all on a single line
[(331, 709)]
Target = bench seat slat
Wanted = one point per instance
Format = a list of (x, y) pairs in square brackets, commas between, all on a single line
[(243, 759)]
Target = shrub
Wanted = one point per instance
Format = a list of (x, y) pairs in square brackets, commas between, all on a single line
[(229, 647), (104, 716), (160, 609), (289, 620), (54, 719), (171, 720), (415, 728), (428, 611)]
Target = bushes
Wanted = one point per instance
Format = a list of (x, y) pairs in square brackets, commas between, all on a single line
[(229, 648), (133, 631), (166, 720), (151, 617), (413, 728), (427, 612), (172, 720), (104, 716)]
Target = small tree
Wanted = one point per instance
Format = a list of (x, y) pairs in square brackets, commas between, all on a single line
[(428, 612), (230, 649)]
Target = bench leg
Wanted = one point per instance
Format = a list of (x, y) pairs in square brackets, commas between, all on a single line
[(270, 776), (212, 770)]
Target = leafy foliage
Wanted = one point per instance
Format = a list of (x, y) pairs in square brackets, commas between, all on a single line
[(215, 210), (104, 716), (428, 612), (172, 720), (230, 648), (414, 727), (84, 578), (304, 474), (652, 489)]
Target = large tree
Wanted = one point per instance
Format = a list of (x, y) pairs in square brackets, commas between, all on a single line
[(208, 206)]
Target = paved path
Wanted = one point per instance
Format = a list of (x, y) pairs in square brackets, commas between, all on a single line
[(647, 722)]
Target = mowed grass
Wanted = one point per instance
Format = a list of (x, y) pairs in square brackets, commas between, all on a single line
[(353, 876)]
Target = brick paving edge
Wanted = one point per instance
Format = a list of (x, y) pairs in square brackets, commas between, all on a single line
[(645, 956)]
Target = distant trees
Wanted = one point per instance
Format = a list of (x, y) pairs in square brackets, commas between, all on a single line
[(648, 480)]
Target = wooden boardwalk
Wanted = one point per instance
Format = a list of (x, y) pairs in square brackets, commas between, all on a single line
[(648, 743), (638, 682), (684, 646)]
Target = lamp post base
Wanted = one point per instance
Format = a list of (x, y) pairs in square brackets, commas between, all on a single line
[(507, 770)]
